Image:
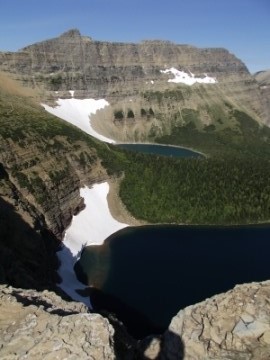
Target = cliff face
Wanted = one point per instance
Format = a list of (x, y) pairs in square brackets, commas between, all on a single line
[(43, 164), (76, 62), (129, 76), (45, 160)]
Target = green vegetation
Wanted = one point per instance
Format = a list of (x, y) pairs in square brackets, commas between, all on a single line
[(56, 81), (231, 185), (151, 112), (52, 146), (199, 191), (118, 115), (143, 112), (179, 93), (130, 114), (244, 140)]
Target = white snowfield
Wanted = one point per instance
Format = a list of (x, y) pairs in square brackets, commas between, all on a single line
[(78, 112), (91, 226), (188, 79)]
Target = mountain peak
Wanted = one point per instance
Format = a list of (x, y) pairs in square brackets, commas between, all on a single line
[(71, 33)]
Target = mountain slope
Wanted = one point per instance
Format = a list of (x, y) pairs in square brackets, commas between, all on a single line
[(135, 79), (43, 163), (43, 153), (263, 79)]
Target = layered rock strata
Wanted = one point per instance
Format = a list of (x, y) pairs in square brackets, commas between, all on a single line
[(126, 74)]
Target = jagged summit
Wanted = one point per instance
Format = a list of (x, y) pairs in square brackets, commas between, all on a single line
[(71, 33)]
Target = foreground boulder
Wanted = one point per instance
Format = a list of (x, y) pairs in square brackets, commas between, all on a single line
[(230, 326), (234, 325), (43, 326)]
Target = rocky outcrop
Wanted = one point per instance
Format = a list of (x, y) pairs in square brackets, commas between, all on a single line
[(234, 325), (43, 326)]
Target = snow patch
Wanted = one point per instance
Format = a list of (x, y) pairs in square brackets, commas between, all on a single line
[(78, 112), (72, 93), (188, 79), (91, 226)]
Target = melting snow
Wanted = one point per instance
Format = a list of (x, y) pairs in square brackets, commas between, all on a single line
[(91, 226), (77, 112), (188, 79)]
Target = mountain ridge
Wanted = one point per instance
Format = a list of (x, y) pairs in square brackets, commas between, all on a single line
[(118, 71)]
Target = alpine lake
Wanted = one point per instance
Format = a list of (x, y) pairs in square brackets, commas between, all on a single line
[(145, 275)]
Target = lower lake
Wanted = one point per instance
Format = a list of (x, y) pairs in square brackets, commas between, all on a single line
[(145, 275)]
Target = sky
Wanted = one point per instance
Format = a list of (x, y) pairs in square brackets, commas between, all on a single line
[(241, 26)]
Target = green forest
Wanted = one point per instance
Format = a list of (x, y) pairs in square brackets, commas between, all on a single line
[(197, 191), (229, 186)]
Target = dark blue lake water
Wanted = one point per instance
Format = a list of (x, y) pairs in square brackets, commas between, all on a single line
[(160, 150), (147, 274)]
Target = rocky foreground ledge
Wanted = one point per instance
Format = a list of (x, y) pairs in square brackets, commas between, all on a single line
[(232, 326), (40, 325)]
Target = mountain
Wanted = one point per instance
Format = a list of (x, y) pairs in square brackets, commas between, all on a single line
[(159, 92), (138, 81)]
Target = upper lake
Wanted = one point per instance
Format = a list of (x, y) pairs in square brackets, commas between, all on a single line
[(164, 150)]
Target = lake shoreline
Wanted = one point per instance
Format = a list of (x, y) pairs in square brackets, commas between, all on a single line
[(120, 213), (165, 145)]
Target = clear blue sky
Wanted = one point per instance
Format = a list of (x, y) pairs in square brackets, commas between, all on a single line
[(241, 26)]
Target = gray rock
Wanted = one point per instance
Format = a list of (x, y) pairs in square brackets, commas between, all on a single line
[(43, 326), (118, 71), (233, 325)]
